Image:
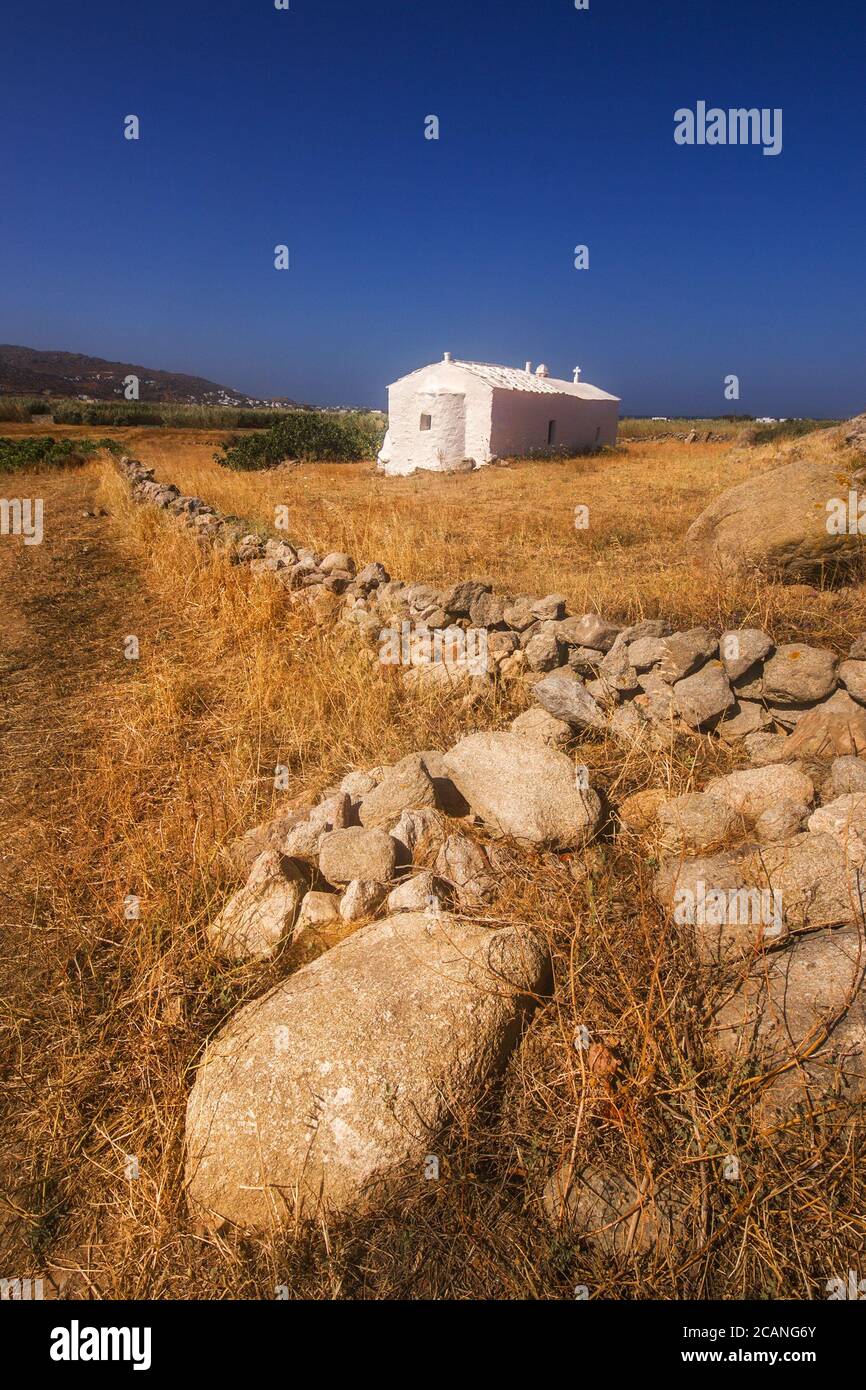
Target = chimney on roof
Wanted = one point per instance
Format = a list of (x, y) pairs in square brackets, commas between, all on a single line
[(446, 357), (541, 370), (528, 367), (576, 375)]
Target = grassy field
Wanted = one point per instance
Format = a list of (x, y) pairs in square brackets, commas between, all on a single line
[(131, 778), (515, 524)]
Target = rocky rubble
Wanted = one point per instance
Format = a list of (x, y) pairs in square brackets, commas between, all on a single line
[(395, 839), (786, 897)]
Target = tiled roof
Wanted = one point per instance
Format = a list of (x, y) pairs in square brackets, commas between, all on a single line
[(513, 379)]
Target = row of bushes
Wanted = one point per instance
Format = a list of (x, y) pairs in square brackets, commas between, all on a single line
[(43, 451), (126, 413), (640, 428), (733, 426), (786, 429), (306, 435), (176, 416)]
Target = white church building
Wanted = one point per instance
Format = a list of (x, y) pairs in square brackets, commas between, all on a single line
[(444, 414)]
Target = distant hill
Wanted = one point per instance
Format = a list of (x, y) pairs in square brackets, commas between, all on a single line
[(28, 371)]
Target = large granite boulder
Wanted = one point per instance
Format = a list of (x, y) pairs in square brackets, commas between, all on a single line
[(777, 522), (799, 1021), (346, 1073)]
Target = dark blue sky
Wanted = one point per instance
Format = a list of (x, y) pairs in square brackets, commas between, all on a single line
[(306, 127)]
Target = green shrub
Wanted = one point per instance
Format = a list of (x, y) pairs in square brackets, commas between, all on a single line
[(306, 434), (15, 408), (42, 451)]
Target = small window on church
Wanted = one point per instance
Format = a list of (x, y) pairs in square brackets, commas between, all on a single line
[(551, 433), (426, 421)]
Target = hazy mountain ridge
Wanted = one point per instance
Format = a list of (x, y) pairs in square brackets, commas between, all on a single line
[(33, 371)]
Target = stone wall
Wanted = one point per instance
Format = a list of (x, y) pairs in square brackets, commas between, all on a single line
[(643, 681)]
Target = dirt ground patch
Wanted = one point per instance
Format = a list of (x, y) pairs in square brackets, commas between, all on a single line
[(68, 603)]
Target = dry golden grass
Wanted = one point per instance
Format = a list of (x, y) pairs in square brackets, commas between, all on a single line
[(132, 778), (515, 525)]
